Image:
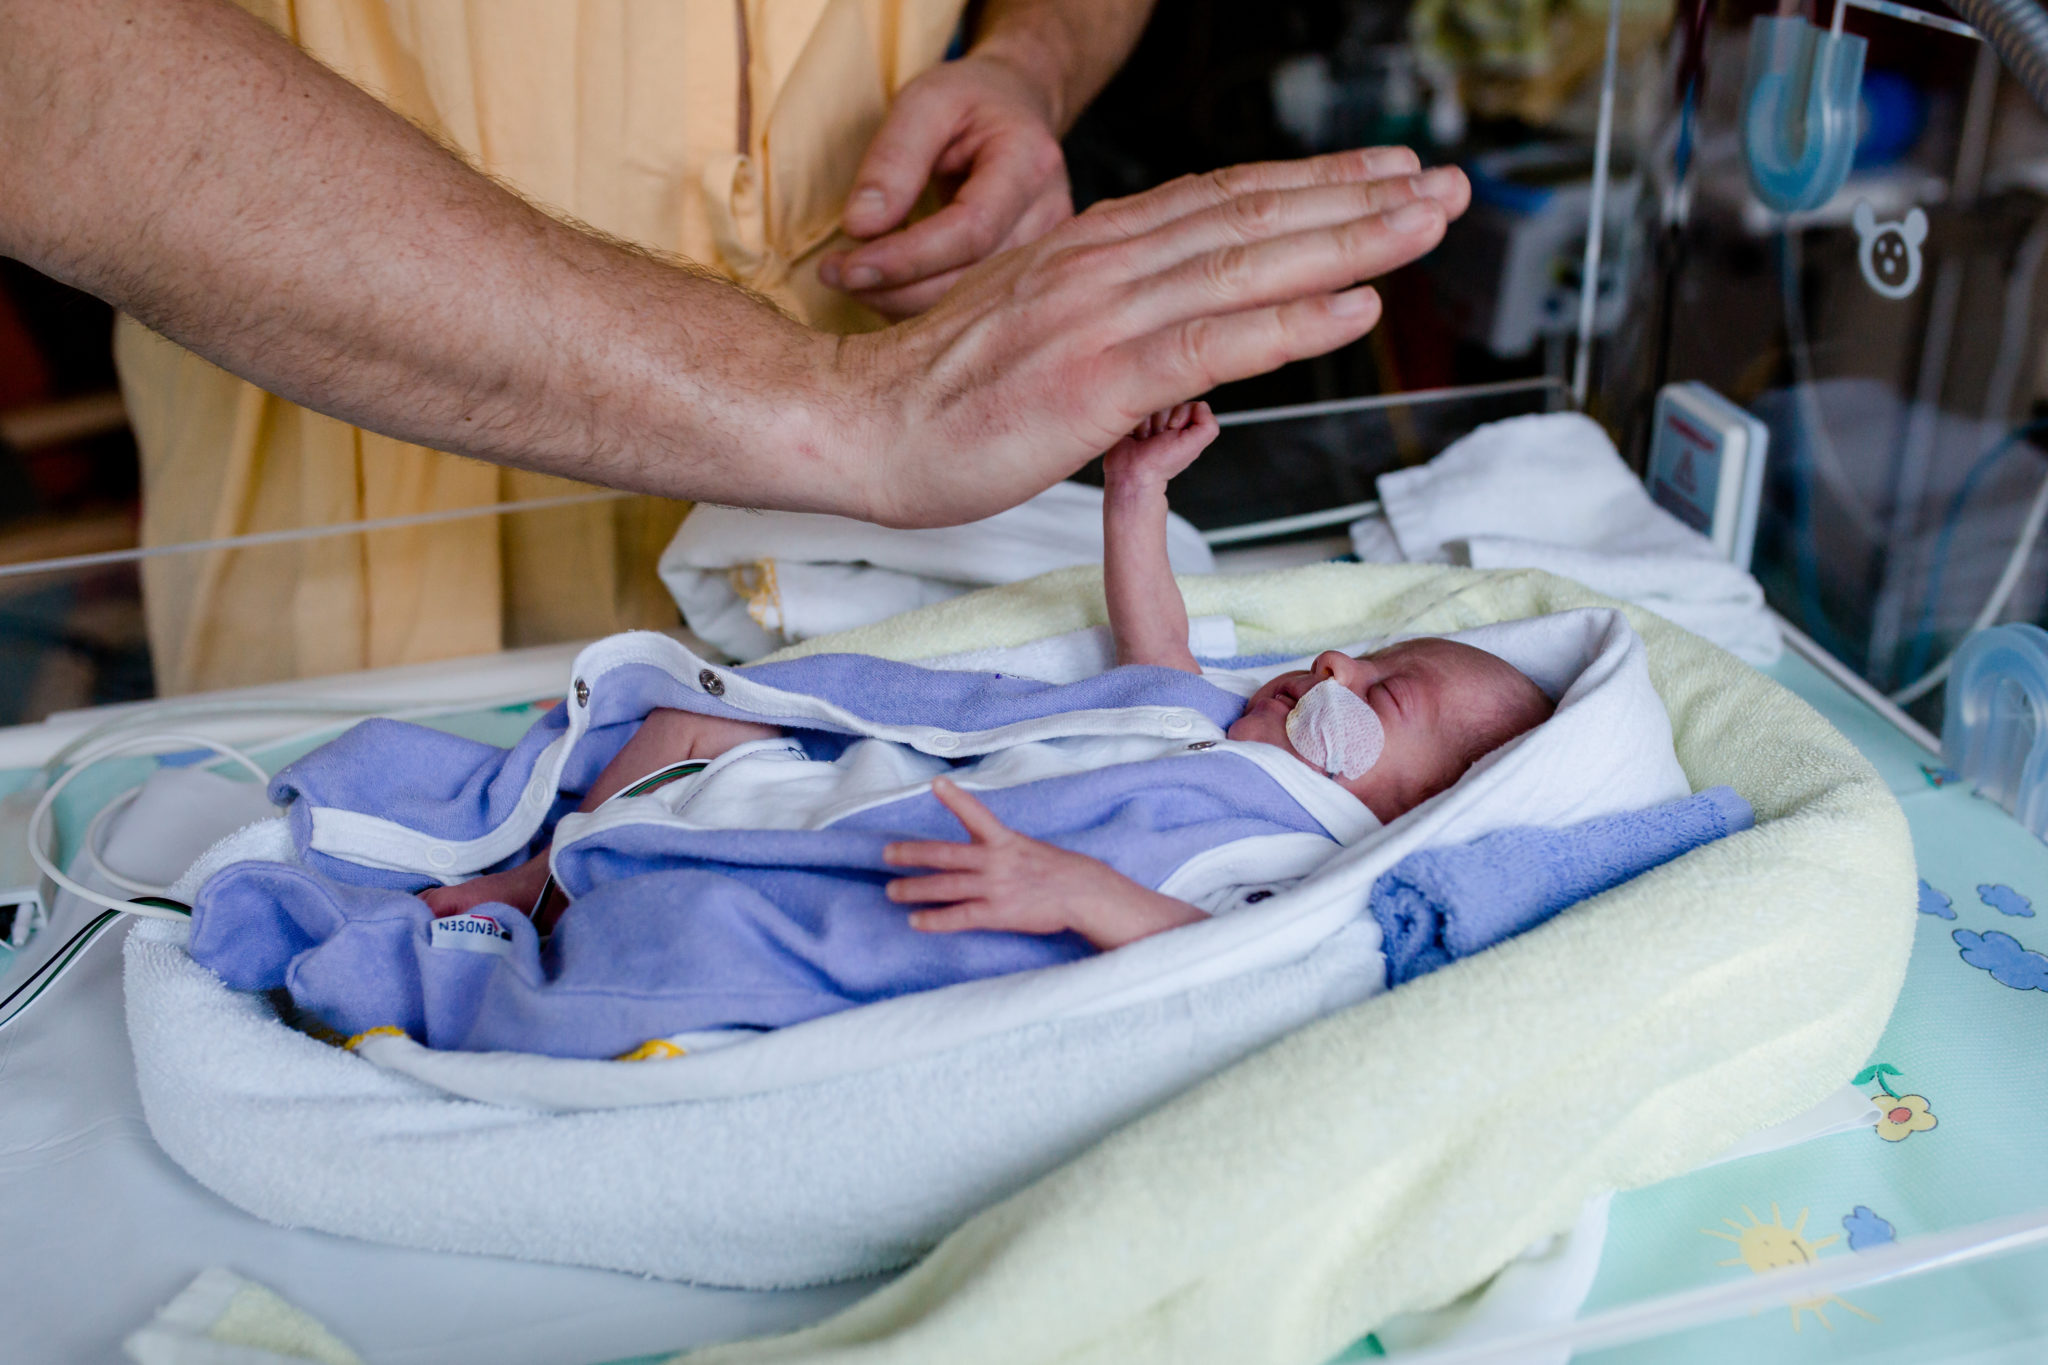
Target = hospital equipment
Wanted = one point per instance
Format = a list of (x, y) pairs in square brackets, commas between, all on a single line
[(638, 1320), (1920, 1231), (1706, 466)]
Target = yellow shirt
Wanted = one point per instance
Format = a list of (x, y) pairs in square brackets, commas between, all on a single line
[(727, 131)]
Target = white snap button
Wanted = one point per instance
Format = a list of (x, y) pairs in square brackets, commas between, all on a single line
[(1178, 725), (440, 855), (945, 744)]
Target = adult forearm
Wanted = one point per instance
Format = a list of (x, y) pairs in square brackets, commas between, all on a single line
[(1067, 48), (182, 161)]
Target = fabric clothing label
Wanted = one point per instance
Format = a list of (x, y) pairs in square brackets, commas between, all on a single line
[(471, 933)]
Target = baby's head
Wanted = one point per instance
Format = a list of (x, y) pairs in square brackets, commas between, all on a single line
[(1441, 705)]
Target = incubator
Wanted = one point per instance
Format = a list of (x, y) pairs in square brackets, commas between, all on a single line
[(1873, 469)]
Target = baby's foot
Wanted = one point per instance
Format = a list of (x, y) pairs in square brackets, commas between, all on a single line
[(517, 887)]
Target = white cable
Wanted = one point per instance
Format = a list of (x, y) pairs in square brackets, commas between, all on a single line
[(2019, 299), (36, 820), (1806, 392), (157, 712), (94, 841), (1994, 606), (1596, 211), (100, 558)]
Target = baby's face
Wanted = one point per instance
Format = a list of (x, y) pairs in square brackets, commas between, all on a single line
[(1442, 705)]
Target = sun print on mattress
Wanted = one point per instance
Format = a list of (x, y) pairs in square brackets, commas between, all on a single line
[(1764, 1247)]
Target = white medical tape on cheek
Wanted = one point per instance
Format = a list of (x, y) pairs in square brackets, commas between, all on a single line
[(1334, 729)]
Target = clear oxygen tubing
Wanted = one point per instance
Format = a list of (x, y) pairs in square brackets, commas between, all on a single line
[(2019, 298)]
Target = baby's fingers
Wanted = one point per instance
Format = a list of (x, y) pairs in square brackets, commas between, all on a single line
[(942, 887), (979, 819), (939, 853), (956, 919)]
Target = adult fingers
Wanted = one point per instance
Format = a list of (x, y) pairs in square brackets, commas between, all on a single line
[(1285, 268), (1202, 352), (1116, 219), (1273, 215), (941, 887), (950, 857), (1046, 212), (898, 164), (980, 821), (1009, 174)]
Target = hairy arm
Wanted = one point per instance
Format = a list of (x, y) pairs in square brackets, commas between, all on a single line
[(182, 161), (1067, 49), (1147, 617), (185, 162)]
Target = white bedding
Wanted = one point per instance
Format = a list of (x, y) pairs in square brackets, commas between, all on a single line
[(849, 1144)]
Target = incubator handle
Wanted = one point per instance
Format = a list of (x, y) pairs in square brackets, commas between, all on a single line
[(1995, 728)]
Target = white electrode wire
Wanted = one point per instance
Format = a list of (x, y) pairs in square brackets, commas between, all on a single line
[(37, 818), (101, 559), (1596, 212), (158, 712), (1806, 392), (1994, 605), (95, 840), (2012, 345)]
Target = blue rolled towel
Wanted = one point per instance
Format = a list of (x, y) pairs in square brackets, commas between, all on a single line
[(1442, 904)]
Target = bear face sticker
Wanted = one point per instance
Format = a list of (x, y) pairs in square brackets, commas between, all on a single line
[(1889, 252)]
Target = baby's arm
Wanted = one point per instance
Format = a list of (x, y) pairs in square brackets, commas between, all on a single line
[(1000, 879), (665, 737), (1146, 614)]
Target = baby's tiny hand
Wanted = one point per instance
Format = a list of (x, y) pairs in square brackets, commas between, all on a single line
[(1162, 445), (1000, 879)]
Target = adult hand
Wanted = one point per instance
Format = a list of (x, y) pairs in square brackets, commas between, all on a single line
[(1046, 355), (978, 127)]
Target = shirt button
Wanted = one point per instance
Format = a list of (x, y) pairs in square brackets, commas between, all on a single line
[(1200, 745), (582, 692), (711, 682), (945, 744), (1178, 725), (440, 855)]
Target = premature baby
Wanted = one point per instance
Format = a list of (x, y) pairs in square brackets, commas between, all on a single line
[(1393, 728)]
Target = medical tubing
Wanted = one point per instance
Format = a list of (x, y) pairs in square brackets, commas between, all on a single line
[(2018, 32), (1921, 642), (1994, 605), (91, 844), (38, 818), (60, 962)]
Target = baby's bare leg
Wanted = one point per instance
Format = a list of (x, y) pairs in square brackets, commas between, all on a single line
[(665, 737)]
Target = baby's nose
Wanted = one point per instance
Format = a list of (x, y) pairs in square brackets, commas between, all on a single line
[(1333, 663)]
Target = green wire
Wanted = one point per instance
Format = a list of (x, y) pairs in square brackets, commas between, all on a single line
[(74, 948)]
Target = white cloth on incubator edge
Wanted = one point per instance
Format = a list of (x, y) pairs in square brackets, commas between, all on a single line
[(752, 582), (1550, 492)]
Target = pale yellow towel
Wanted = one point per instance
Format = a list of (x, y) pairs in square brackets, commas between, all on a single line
[(1391, 1157)]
